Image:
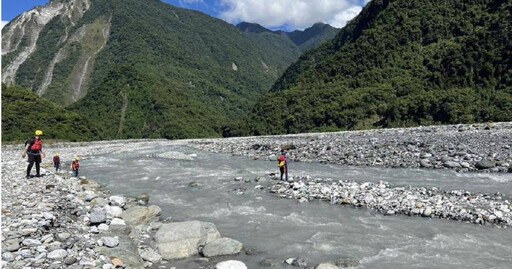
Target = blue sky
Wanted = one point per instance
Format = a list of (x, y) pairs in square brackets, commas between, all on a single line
[(275, 14)]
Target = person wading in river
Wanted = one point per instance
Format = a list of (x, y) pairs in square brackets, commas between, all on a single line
[(34, 149), (283, 165)]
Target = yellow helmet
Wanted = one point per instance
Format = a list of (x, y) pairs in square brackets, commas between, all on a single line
[(39, 132), (58, 155), (78, 159)]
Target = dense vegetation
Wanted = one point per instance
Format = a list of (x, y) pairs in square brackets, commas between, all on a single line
[(399, 63), (181, 73), (286, 47), (23, 112)]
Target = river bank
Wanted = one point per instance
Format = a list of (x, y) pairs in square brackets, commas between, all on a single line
[(464, 148), (59, 221)]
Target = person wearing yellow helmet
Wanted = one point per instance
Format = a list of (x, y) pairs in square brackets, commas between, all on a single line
[(56, 162), (74, 166), (34, 150)]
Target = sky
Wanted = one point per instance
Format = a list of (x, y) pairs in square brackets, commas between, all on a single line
[(285, 15)]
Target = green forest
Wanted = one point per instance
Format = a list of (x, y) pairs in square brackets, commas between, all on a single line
[(398, 64), (167, 72), (23, 112)]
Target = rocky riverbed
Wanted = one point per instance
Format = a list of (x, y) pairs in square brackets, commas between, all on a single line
[(458, 205), (59, 221), (476, 147)]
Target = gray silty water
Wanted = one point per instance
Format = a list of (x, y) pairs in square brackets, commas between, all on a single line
[(280, 228)]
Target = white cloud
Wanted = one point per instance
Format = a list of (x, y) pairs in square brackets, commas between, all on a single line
[(4, 23), (296, 14)]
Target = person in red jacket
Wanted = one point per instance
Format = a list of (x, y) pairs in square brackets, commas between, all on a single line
[(56, 162), (34, 150), (283, 165), (74, 166)]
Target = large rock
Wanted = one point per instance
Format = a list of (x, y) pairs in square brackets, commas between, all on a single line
[(98, 215), (222, 246), (182, 239), (485, 164), (326, 266), (230, 265), (141, 215)]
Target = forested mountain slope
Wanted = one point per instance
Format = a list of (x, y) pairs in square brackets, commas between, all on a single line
[(399, 63), (137, 68)]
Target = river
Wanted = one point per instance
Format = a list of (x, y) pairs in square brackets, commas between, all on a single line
[(276, 229)]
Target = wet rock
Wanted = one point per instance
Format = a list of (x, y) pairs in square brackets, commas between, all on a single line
[(222, 246), (326, 266), (300, 262), (451, 164), (144, 198), (427, 212), (425, 163), (231, 264), (193, 184), (181, 239), (141, 215), (485, 164), (149, 254)]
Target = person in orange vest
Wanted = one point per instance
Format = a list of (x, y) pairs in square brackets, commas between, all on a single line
[(283, 165), (56, 162), (74, 166), (34, 150)]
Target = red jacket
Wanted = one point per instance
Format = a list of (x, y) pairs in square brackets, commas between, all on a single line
[(56, 159), (75, 165)]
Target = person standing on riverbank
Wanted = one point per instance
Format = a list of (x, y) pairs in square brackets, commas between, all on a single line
[(283, 165), (56, 162), (34, 150), (74, 166)]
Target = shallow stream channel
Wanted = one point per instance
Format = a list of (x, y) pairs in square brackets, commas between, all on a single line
[(276, 229)]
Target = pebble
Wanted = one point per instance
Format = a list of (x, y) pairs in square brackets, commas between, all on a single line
[(110, 241), (57, 254)]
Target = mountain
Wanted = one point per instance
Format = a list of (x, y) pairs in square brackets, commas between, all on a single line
[(138, 68), (23, 112), (313, 36), (399, 63), (292, 44)]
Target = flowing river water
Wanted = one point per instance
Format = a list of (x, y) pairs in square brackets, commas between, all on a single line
[(276, 229)]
